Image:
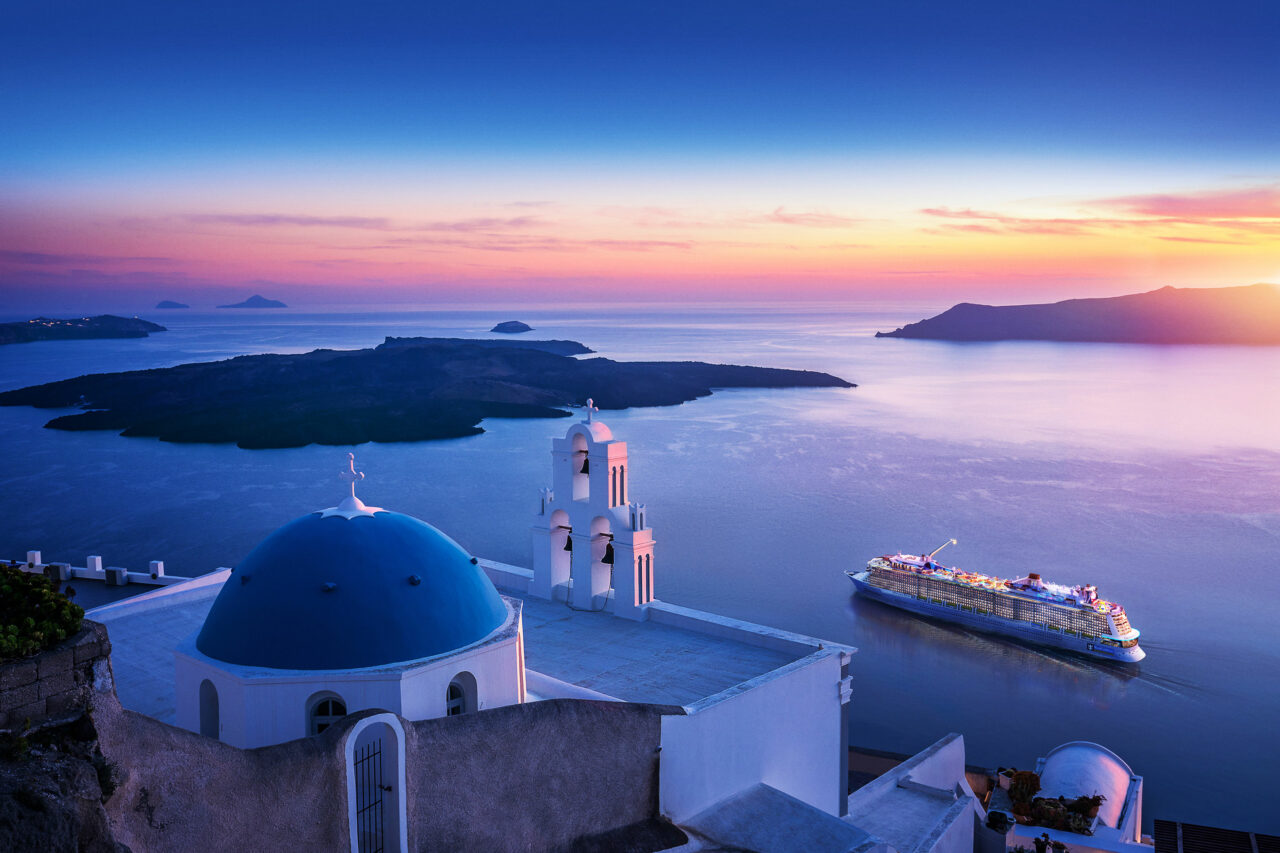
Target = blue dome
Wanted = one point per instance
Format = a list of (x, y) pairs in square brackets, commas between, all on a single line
[(344, 593)]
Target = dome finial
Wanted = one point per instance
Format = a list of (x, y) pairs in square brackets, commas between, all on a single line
[(591, 407), (351, 475), (351, 505)]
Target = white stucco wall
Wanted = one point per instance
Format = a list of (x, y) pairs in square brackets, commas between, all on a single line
[(782, 729), (259, 707)]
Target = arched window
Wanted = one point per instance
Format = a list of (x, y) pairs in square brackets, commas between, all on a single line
[(209, 722), (456, 701), (648, 578), (462, 695), (326, 709)]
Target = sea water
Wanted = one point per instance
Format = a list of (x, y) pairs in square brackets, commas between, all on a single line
[(1151, 471)]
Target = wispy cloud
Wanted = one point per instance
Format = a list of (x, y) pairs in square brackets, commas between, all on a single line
[(1255, 211), (1252, 203), (809, 220), (367, 223), (484, 223), (376, 223), (1205, 240), (670, 218), (998, 223), (58, 259)]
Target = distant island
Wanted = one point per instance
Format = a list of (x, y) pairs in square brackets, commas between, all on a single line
[(257, 301), (512, 327), (1170, 315), (403, 390), (80, 328), (169, 303), (554, 347)]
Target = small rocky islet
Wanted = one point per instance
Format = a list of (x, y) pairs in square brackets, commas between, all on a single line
[(257, 301), (512, 327)]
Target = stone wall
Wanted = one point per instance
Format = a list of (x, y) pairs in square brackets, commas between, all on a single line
[(547, 776), (55, 685), (177, 791), (539, 776)]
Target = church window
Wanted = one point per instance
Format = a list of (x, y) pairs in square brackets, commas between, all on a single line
[(462, 696), (209, 723), (456, 701), (325, 711)]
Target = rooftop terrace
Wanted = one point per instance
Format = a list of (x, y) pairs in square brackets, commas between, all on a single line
[(632, 661)]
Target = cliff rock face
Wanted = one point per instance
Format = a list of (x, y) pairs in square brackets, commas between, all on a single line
[(54, 779), (1226, 315)]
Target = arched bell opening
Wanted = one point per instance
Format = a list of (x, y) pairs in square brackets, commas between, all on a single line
[(561, 544), (581, 468), (602, 554)]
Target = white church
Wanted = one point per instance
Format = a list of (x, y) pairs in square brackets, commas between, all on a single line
[(362, 682)]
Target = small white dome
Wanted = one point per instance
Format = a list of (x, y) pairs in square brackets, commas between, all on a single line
[(1081, 769)]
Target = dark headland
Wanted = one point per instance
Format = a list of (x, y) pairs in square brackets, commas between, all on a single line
[(512, 327), (1170, 315), (257, 301), (79, 328), (169, 304), (407, 389)]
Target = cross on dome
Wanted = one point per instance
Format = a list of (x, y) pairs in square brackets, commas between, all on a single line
[(351, 475), (591, 407), (351, 506)]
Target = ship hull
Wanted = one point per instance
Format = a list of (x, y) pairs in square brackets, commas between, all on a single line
[(1019, 630)]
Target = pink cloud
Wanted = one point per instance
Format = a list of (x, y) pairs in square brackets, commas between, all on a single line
[(271, 219), (1255, 203), (371, 223), (810, 220), (1204, 240), (996, 223), (47, 259)]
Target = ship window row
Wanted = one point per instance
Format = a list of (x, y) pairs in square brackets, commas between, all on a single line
[(1086, 623)]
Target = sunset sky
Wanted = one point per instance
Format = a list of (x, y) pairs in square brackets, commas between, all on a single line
[(347, 153)]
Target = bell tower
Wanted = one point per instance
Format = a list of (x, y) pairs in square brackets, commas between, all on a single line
[(592, 547)]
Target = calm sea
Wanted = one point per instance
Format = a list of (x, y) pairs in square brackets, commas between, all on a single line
[(1153, 472)]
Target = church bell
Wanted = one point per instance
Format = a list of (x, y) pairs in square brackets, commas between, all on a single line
[(608, 554), (568, 543), (586, 466)]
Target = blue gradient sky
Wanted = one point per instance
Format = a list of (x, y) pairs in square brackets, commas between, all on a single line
[(124, 119)]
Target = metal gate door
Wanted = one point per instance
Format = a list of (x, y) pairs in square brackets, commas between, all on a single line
[(369, 787)]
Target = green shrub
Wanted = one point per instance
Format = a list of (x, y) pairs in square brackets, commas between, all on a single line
[(34, 615)]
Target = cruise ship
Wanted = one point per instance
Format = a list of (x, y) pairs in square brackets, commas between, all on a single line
[(1028, 608)]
